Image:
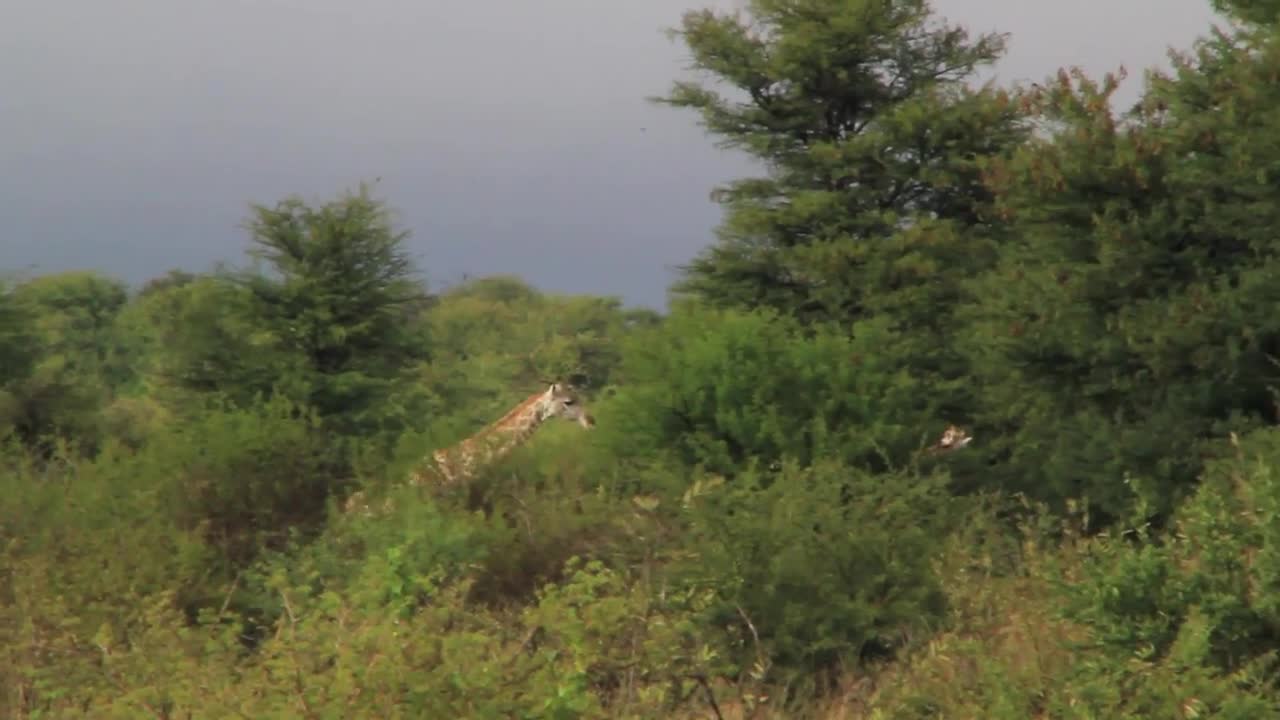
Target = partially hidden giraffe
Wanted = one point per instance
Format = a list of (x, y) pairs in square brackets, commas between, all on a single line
[(459, 462), (953, 438)]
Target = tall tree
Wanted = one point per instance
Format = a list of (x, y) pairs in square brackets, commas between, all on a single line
[(873, 204), (1133, 320)]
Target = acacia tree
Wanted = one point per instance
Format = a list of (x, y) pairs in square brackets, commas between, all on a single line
[(873, 205)]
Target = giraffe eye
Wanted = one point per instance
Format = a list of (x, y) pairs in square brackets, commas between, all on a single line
[(568, 401)]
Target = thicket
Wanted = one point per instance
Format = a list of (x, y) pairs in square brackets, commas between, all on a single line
[(755, 527)]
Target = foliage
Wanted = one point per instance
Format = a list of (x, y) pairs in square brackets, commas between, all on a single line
[(340, 298), (752, 530), (1202, 595), (1130, 323), (1260, 12), (209, 346), (725, 389), (818, 567), (245, 477), (85, 543), (331, 321), (1020, 642), (873, 206), (498, 333), (17, 357), (16, 342), (596, 646), (63, 359), (75, 314)]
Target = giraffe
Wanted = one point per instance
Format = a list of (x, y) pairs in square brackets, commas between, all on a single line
[(953, 438), (459, 462)]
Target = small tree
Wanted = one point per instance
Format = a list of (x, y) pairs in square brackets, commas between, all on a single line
[(340, 295), (327, 317)]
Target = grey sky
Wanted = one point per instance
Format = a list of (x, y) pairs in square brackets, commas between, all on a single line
[(511, 135)]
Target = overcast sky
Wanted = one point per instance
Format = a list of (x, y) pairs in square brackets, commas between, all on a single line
[(512, 136)]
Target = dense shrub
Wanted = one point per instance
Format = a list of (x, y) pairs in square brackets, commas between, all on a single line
[(817, 567), (728, 389), (245, 477), (1204, 592)]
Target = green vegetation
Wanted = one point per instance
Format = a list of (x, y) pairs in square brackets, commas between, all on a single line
[(754, 528)]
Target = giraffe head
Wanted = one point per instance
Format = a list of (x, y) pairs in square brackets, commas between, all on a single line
[(561, 400), (953, 438)]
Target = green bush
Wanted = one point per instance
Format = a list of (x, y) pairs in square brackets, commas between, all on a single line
[(818, 565), (244, 477), (1183, 619), (728, 389), (85, 547), (61, 358), (1215, 573)]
